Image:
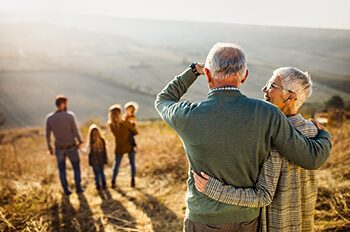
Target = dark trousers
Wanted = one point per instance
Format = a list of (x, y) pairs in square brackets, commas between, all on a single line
[(117, 162), (100, 178), (251, 226), (73, 156)]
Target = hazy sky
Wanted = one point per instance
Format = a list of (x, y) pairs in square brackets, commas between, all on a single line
[(304, 13)]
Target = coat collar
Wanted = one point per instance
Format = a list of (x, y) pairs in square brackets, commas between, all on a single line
[(296, 120)]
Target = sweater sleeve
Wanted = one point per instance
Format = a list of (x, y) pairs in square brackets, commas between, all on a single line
[(292, 144), (48, 133), (75, 130), (168, 104), (258, 196)]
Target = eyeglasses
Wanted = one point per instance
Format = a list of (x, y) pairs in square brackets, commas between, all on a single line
[(271, 84)]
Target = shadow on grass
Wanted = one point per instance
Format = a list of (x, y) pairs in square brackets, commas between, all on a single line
[(116, 214), (65, 218), (162, 218)]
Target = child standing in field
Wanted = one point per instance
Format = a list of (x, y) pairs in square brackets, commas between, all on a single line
[(130, 109), (97, 156)]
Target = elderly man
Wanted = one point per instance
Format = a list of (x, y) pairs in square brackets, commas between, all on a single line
[(229, 136), (66, 134)]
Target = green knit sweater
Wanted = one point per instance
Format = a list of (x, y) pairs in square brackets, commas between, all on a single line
[(229, 136)]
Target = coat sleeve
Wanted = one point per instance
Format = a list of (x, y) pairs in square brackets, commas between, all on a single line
[(258, 196), (114, 130), (104, 155), (301, 150)]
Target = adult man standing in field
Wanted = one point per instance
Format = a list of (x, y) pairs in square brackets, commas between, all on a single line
[(67, 141), (229, 136)]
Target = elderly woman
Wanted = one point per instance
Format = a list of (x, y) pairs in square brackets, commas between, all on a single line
[(286, 191)]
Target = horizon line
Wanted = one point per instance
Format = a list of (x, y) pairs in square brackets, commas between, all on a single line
[(21, 19)]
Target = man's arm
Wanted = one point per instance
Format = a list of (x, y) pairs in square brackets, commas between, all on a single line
[(304, 152), (48, 136), (168, 103), (75, 130), (258, 196)]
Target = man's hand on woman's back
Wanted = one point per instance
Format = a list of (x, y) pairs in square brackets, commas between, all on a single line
[(318, 124)]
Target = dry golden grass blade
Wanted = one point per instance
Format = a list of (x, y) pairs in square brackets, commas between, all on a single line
[(33, 201), (4, 220)]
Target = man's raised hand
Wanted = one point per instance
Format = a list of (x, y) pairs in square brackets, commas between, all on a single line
[(318, 124), (200, 68)]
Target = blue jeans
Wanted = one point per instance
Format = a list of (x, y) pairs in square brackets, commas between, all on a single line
[(100, 177), (118, 159), (73, 157)]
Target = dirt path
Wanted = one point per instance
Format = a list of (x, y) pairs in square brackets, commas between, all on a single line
[(120, 209)]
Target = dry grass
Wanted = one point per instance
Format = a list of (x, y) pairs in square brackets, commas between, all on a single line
[(333, 205), (31, 199)]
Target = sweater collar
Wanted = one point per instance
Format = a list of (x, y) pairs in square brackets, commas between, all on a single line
[(225, 90)]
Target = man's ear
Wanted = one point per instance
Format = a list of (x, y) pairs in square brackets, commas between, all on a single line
[(245, 77), (208, 75)]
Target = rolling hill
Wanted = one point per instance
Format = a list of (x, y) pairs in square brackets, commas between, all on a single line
[(97, 61)]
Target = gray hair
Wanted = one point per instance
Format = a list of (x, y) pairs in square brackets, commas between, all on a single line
[(296, 81), (225, 59)]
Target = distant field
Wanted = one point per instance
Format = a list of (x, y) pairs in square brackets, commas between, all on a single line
[(97, 61), (27, 98)]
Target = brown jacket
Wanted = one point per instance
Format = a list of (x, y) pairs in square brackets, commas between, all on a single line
[(122, 134)]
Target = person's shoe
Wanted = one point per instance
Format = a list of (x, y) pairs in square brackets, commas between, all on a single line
[(67, 192), (98, 188), (113, 185), (80, 190), (132, 183)]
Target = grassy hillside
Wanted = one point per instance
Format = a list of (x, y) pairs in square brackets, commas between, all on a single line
[(31, 200), (97, 61)]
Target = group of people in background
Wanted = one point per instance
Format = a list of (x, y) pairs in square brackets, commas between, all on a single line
[(68, 140)]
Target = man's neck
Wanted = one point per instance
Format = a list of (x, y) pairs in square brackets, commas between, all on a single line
[(228, 82)]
